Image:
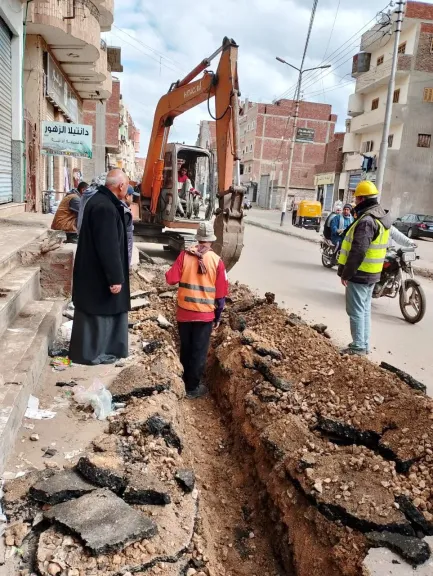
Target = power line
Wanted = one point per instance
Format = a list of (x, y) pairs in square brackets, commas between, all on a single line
[(160, 54), (145, 53), (337, 52)]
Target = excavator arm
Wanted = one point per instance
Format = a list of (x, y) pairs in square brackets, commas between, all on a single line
[(182, 96)]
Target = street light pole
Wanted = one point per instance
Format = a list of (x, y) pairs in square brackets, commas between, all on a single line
[(295, 124), (383, 152)]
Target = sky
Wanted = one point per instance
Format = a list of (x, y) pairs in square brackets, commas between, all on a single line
[(162, 40)]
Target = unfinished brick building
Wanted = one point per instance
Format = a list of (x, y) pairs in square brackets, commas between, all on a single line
[(265, 134)]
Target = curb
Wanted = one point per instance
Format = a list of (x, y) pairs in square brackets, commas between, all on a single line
[(424, 272), (280, 231)]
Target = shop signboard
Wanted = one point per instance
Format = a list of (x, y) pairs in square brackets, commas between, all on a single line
[(304, 135), (64, 139), (59, 91)]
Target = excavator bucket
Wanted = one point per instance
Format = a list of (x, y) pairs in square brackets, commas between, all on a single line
[(229, 226)]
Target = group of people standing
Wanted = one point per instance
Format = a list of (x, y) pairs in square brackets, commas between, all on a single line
[(98, 218)]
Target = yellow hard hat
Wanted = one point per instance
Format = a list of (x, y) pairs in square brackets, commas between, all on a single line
[(366, 188)]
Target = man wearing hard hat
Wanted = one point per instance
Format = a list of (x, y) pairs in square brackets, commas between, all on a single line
[(361, 261)]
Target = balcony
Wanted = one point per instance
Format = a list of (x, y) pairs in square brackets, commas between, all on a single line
[(91, 84), (379, 75), (356, 105), (107, 15), (351, 143), (373, 121), (71, 28)]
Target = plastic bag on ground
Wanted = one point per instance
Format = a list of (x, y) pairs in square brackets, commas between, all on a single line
[(97, 396)]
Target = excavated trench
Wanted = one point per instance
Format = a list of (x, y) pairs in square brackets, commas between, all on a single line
[(298, 463)]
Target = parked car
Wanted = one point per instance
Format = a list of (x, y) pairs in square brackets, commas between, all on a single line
[(415, 225)]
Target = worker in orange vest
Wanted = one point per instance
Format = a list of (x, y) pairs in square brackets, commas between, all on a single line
[(203, 288)]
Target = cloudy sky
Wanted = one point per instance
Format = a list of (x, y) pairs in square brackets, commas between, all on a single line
[(162, 40)]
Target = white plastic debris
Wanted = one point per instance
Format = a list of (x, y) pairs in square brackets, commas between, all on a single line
[(35, 413), (163, 322), (97, 396), (71, 454), (66, 330)]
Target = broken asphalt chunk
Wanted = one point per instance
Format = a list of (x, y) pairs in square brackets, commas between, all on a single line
[(405, 377), (415, 517), (412, 549), (104, 469), (146, 489), (268, 373), (61, 487), (134, 381), (139, 303), (157, 426), (103, 521), (186, 480)]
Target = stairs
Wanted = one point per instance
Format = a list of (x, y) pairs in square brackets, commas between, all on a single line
[(27, 326)]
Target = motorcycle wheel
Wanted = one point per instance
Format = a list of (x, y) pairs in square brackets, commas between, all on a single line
[(327, 261), (417, 302)]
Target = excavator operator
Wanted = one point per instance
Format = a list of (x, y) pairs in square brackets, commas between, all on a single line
[(185, 187)]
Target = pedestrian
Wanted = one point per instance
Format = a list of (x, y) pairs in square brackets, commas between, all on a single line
[(101, 278), (295, 207), (129, 223), (203, 286), (67, 213), (339, 223), (361, 261), (91, 190)]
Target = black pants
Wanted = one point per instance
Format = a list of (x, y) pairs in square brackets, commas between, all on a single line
[(194, 345), (294, 215), (71, 238)]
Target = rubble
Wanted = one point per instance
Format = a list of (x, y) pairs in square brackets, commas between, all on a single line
[(103, 521), (412, 549)]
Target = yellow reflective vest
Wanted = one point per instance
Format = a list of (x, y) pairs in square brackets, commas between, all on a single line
[(375, 255)]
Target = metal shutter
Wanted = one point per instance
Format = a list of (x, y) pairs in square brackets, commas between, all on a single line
[(5, 114)]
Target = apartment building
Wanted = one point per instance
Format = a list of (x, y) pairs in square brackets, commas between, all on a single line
[(408, 180), (265, 134), (65, 64)]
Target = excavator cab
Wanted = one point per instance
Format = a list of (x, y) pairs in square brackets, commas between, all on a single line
[(186, 200)]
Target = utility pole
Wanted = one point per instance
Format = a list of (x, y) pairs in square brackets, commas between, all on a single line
[(389, 100), (295, 124)]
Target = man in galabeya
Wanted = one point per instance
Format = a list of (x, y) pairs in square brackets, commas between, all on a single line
[(203, 286), (361, 261)]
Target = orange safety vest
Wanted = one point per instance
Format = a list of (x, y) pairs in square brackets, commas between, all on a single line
[(197, 291)]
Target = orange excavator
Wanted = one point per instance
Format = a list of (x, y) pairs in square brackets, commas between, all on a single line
[(166, 205)]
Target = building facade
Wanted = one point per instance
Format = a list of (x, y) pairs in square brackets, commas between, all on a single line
[(265, 134), (66, 64), (207, 139), (327, 183), (408, 179), (11, 132)]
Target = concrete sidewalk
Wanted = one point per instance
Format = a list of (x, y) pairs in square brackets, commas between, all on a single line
[(270, 220)]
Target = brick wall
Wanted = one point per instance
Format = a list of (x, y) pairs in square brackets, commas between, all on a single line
[(419, 10), (333, 161), (112, 117), (270, 138), (424, 58), (89, 116)]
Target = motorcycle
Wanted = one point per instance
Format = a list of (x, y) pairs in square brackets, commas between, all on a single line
[(247, 204), (330, 253), (397, 278)]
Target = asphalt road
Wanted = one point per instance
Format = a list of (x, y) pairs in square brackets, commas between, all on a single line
[(292, 269)]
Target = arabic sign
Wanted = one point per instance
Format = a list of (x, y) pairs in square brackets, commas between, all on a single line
[(305, 135), (322, 179), (63, 139), (58, 90)]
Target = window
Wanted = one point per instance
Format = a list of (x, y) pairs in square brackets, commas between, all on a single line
[(431, 46), (368, 146), (251, 147), (396, 96), (424, 140), (249, 169), (402, 48), (375, 104), (380, 60), (390, 140)]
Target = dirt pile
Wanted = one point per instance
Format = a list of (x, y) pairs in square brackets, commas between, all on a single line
[(336, 437)]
